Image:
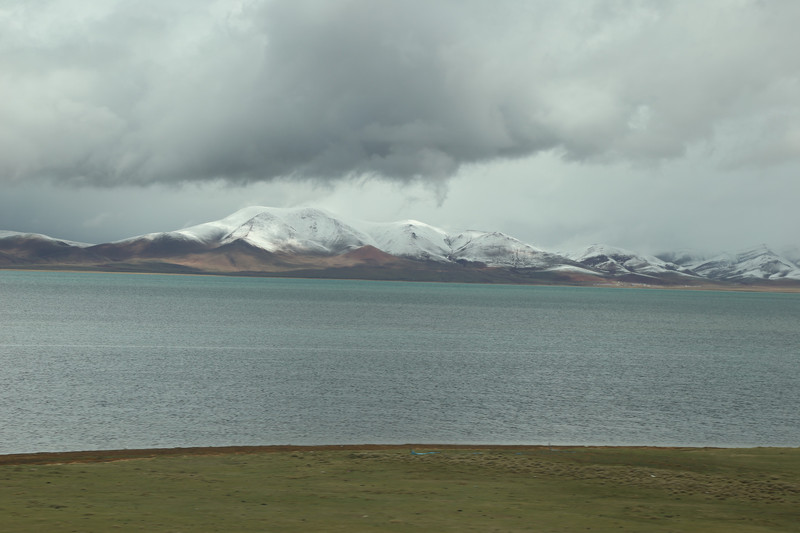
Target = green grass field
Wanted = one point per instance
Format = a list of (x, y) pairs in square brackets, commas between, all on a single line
[(391, 489)]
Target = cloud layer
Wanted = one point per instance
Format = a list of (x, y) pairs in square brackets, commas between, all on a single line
[(110, 93)]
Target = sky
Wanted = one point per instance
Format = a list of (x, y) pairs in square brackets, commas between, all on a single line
[(647, 125)]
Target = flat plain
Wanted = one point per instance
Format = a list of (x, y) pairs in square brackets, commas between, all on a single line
[(404, 488)]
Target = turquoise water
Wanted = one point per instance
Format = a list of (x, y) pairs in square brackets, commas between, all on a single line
[(101, 361)]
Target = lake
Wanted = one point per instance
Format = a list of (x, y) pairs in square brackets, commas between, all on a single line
[(109, 361)]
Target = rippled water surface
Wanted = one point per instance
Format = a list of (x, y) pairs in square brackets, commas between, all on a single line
[(101, 361)]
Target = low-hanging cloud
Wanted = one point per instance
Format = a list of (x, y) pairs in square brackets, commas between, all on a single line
[(108, 93)]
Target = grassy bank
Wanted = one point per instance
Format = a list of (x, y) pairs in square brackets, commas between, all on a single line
[(383, 488)]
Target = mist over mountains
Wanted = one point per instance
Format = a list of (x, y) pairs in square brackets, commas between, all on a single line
[(308, 242)]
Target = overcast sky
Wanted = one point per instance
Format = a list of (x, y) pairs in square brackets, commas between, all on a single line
[(649, 125)]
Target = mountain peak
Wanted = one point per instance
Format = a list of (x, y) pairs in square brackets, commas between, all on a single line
[(268, 239)]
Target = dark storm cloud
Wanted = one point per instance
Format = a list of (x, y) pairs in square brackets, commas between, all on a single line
[(149, 92)]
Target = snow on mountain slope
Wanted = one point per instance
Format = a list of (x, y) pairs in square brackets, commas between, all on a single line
[(4, 234), (619, 261), (18, 248), (317, 232), (498, 249), (754, 264), (306, 230), (410, 239), (683, 257), (417, 240), (792, 254), (276, 229)]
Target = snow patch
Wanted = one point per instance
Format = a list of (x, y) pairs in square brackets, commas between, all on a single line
[(5, 234)]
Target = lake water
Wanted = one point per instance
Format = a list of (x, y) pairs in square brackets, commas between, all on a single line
[(108, 361)]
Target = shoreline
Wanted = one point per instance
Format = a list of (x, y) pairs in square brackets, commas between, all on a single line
[(607, 284), (100, 456)]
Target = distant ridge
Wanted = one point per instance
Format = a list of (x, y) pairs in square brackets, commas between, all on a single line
[(312, 242)]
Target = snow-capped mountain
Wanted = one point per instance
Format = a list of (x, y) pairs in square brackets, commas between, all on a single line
[(683, 257), (309, 230), (287, 230), (759, 263), (498, 249), (20, 249), (617, 261), (792, 254), (314, 242), (17, 235), (410, 239), (416, 240)]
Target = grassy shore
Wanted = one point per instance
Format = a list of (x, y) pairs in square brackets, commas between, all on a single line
[(392, 488)]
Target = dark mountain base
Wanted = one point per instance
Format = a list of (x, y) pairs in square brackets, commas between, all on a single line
[(423, 272)]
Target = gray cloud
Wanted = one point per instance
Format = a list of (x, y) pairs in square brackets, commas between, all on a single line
[(165, 92)]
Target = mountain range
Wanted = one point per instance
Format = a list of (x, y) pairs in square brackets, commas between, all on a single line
[(308, 242)]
